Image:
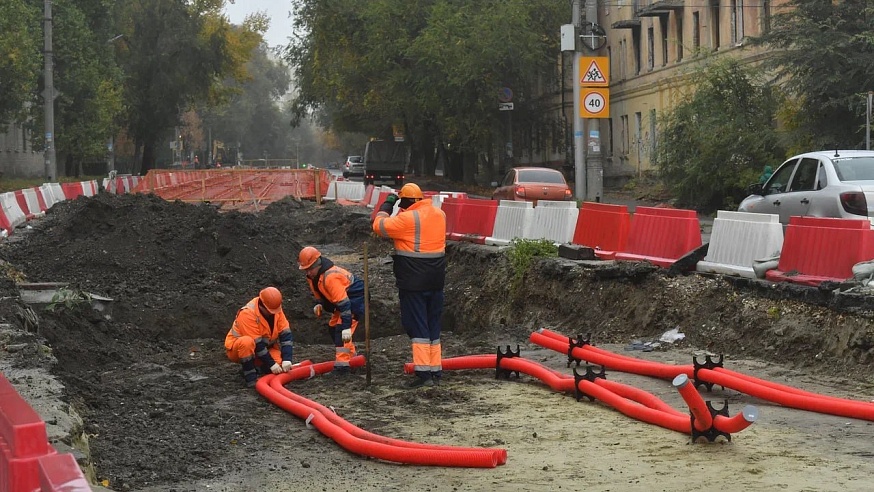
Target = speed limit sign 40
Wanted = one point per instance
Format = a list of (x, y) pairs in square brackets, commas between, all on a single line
[(594, 103)]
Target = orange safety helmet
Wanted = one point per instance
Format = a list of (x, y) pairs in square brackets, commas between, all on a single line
[(411, 190), (307, 257), (271, 298)]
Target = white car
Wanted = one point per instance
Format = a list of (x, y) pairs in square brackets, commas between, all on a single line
[(832, 183)]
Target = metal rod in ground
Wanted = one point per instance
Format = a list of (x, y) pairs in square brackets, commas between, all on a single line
[(366, 316)]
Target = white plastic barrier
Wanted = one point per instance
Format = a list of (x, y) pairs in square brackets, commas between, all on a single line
[(345, 190), (512, 220), (89, 188), (32, 201), (12, 209), (52, 194), (739, 238), (376, 191), (554, 221)]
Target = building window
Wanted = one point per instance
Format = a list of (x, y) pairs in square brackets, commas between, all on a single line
[(638, 141), (766, 16), (652, 130), (650, 48), (610, 136), (714, 27), (636, 47), (740, 21), (623, 136), (663, 24), (696, 31), (623, 45), (680, 37)]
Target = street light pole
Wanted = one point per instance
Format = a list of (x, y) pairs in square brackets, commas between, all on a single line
[(579, 146), (594, 161), (49, 100)]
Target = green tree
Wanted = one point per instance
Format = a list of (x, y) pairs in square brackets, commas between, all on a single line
[(716, 142), (175, 55), (253, 116), (87, 81), (824, 56), (20, 60), (434, 67)]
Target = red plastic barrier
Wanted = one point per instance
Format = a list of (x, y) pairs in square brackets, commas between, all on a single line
[(40, 199), (61, 473), (474, 221), (816, 250), (453, 208), (22, 203), (22, 428), (379, 202), (72, 190), (604, 227), (368, 194), (661, 235), (23, 441)]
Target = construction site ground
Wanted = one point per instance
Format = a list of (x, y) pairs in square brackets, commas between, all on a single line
[(144, 393)]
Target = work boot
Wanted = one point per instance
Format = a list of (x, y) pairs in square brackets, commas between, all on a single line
[(418, 382), (340, 371), (250, 373), (436, 380)]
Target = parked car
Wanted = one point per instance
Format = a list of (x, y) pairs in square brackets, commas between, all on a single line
[(530, 184), (354, 167), (833, 183)]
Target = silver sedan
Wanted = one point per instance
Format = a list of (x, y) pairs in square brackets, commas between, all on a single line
[(834, 183)]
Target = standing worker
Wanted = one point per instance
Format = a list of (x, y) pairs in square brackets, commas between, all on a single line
[(419, 234), (252, 340), (340, 293)]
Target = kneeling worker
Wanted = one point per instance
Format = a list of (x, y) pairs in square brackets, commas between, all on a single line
[(339, 292), (252, 340)]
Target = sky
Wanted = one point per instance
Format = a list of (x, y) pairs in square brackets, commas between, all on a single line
[(277, 10)]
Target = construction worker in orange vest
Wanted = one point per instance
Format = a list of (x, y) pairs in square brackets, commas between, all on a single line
[(340, 293), (419, 234), (261, 336)]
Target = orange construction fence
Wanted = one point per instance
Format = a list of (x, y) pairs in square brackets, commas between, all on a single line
[(237, 189)]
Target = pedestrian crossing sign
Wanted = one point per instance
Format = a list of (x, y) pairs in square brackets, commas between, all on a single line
[(596, 73)]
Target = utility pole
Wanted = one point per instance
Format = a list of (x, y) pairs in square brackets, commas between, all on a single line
[(594, 161), (49, 101), (579, 158)]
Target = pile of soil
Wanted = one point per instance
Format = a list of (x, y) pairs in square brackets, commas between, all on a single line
[(163, 409)]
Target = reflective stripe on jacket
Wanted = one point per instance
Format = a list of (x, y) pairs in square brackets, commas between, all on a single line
[(335, 287), (250, 323), (419, 235)]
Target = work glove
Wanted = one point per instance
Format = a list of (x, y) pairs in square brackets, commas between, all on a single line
[(389, 204), (317, 310), (347, 334), (286, 365), (276, 369)]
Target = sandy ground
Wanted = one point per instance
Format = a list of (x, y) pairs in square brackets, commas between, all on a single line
[(557, 443)]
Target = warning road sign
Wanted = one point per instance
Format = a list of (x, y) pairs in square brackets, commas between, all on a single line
[(596, 73), (595, 103)]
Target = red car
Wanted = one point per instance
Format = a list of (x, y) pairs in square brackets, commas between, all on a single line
[(530, 184)]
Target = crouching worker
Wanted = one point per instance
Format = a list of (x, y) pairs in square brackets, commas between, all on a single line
[(340, 293), (261, 337)]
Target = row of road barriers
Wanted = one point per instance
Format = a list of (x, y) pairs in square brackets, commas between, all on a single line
[(813, 250)]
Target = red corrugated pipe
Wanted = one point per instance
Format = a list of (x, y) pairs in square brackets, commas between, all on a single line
[(409, 453)]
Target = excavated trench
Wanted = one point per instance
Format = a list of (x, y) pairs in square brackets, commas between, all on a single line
[(161, 405)]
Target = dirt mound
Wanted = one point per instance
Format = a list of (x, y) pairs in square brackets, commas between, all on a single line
[(163, 405)]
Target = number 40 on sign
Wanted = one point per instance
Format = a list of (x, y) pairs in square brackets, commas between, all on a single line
[(594, 102)]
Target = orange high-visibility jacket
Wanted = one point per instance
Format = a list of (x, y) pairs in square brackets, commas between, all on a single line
[(250, 323), (419, 235)]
